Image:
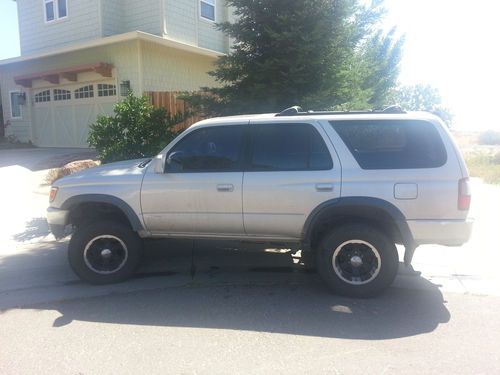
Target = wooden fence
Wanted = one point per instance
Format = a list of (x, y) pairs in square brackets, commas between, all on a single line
[(171, 102)]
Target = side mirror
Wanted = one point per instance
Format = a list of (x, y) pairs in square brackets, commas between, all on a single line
[(160, 163)]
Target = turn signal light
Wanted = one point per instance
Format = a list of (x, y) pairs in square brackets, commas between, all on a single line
[(53, 193)]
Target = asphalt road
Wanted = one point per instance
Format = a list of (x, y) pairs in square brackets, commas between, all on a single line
[(209, 307)]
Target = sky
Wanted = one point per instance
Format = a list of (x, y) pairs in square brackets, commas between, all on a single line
[(453, 45)]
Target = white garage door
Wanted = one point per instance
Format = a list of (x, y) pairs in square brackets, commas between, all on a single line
[(62, 115)]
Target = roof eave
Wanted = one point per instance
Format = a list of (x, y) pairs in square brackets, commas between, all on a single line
[(133, 35)]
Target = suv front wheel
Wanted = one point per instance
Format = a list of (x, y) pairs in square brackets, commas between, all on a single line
[(357, 260), (104, 252)]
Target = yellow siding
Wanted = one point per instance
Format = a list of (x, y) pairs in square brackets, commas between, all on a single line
[(168, 69)]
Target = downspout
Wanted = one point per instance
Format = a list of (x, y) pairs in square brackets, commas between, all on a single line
[(99, 15), (163, 18)]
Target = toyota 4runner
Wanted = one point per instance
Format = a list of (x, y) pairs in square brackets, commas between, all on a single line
[(345, 188)]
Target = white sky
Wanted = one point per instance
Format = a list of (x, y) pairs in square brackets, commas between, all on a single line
[(454, 46)]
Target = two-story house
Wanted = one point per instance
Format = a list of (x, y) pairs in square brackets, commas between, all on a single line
[(79, 57)]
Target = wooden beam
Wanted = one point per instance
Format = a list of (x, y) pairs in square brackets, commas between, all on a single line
[(105, 70), (23, 82), (52, 78), (69, 76)]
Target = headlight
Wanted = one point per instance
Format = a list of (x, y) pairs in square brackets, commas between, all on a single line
[(53, 193)]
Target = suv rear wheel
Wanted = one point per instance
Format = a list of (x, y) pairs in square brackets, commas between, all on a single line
[(357, 260), (104, 252)]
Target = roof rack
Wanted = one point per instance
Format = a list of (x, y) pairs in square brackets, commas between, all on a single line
[(298, 111)]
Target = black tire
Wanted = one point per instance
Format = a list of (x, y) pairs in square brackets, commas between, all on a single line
[(366, 260), (86, 247)]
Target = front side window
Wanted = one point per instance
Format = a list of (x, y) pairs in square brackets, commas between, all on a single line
[(214, 149), (288, 147), (392, 144), (207, 9), (55, 9), (15, 104)]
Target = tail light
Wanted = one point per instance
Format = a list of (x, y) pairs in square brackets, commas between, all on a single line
[(464, 194)]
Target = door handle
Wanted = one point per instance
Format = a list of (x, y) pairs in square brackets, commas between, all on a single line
[(324, 187), (225, 187)]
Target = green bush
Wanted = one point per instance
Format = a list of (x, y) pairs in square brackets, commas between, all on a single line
[(136, 130), (489, 137)]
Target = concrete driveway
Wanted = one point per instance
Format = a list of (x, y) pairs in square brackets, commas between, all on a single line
[(209, 307)]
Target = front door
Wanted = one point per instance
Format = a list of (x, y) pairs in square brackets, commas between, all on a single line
[(200, 191)]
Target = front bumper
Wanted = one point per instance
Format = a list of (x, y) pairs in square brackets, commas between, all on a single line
[(57, 219), (441, 232)]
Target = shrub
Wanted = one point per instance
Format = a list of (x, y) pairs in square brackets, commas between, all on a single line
[(136, 130), (489, 137)]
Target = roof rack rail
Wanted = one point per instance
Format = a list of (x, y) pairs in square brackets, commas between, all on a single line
[(298, 111)]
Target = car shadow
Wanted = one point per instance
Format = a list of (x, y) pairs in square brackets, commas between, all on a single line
[(34, 229), (233, 289)]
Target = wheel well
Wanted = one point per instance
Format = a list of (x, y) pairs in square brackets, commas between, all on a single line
[(375, 218), (91, 211)]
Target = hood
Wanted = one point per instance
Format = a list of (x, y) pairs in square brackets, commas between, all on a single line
[(121, 171)]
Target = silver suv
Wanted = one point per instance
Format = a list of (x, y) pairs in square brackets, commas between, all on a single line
[(345, 188)]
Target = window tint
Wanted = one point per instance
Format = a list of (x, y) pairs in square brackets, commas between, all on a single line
[(392, 144), (208, 150), (288, 147)]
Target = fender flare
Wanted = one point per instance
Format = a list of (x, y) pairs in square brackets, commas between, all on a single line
[(363, 207), (108, 199)]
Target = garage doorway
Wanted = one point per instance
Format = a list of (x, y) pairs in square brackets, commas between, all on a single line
[(62, 115)]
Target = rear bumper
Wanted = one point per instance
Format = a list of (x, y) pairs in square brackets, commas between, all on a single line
[(441, 232), (57, 219)]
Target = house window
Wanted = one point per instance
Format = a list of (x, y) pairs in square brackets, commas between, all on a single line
[(42, 96), (84, 92), (60, 94), (207, 9), (15, 105), (106, 90), (55, 9)]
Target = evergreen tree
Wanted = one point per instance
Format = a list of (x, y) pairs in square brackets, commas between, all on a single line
[(319, 54)]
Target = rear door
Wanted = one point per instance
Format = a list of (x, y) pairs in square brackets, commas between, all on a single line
[(291, 168)]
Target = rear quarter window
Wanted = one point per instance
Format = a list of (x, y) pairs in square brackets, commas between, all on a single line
[(392, 144)]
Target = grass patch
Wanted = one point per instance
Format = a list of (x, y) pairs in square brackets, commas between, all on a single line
[(484, 164)]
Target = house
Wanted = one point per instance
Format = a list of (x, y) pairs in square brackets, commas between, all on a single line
[(79, 57)]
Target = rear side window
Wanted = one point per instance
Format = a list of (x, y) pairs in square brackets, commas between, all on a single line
[(392, 144), (288, 147)]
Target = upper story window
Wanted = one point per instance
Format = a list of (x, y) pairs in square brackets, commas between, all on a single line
[(207, 9), (55, 9)]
